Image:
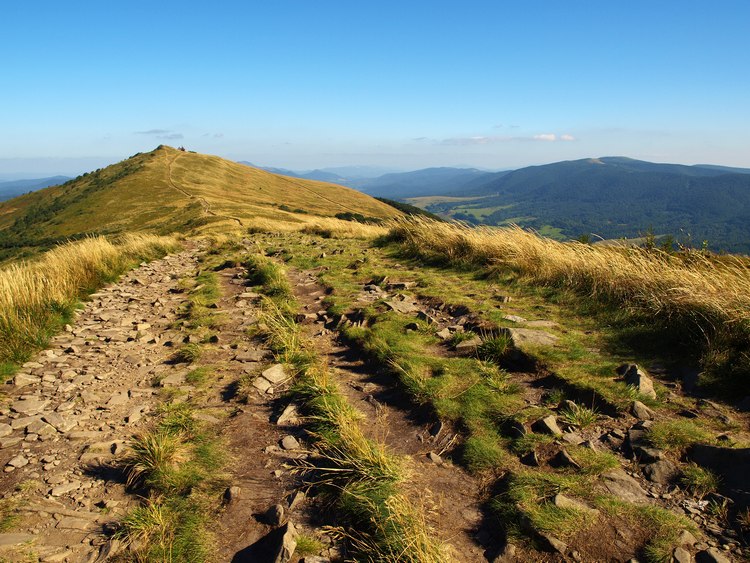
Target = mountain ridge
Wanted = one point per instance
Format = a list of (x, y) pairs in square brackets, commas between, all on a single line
[(168, 190)]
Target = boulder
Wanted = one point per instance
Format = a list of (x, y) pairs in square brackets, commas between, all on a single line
[(660, 472), (641, 411), (274, 516), (287, 544), (682, 555)]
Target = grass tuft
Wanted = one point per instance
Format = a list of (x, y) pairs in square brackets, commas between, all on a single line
[(699, 481), (579, 416), (187, 354)]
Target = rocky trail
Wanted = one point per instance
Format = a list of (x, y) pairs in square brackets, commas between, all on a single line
[(69, 414)]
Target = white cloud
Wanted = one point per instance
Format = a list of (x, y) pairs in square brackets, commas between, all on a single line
[(551, 137), (567, 137)]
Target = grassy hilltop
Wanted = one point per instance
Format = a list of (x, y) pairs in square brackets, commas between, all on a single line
[(167, 190)]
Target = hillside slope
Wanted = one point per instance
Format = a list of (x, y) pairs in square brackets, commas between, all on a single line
[(169, 190)]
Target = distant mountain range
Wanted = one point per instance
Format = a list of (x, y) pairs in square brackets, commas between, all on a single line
[(344, 175), (15, 188), (608, 197)]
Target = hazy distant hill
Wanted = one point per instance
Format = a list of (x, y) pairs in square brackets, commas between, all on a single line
[(168, 190), (15, 188), (350, 176), (613, 197), (429, 181)]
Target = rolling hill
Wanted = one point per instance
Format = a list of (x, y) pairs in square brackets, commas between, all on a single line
[(610, 197), (168, 190)]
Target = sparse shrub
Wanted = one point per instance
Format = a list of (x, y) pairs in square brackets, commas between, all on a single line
[(152, 457), (553, 396), (308, 545)]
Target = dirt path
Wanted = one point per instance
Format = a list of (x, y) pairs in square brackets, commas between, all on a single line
[(452, 497)]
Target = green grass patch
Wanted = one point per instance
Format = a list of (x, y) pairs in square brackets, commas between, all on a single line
[(677, 435), (200, 376), (698, 480)]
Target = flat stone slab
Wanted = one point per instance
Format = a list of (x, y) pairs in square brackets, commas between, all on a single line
[(468, 347), (622, 485), (24, 379), (404, 307), (522, 338), (14, 539), (276, 374), (29, 407)]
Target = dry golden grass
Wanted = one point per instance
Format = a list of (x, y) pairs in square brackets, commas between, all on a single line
[(36, 296), (325, 226), (702, 292)]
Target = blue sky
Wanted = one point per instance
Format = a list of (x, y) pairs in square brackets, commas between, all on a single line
[(304, 84)]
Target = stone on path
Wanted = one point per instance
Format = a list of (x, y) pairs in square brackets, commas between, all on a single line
[(623, 486), (641, 411), (274, 516), (276, 374), (30, 406), (468, 347), (661, 472), (287, 545), (12, 539), (289, 416), (547, 425), (290, 443), (523, 338), (636, 377), (561, 501)]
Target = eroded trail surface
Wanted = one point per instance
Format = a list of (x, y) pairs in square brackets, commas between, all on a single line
[(451, 496), (68, 415), (78, 402)]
